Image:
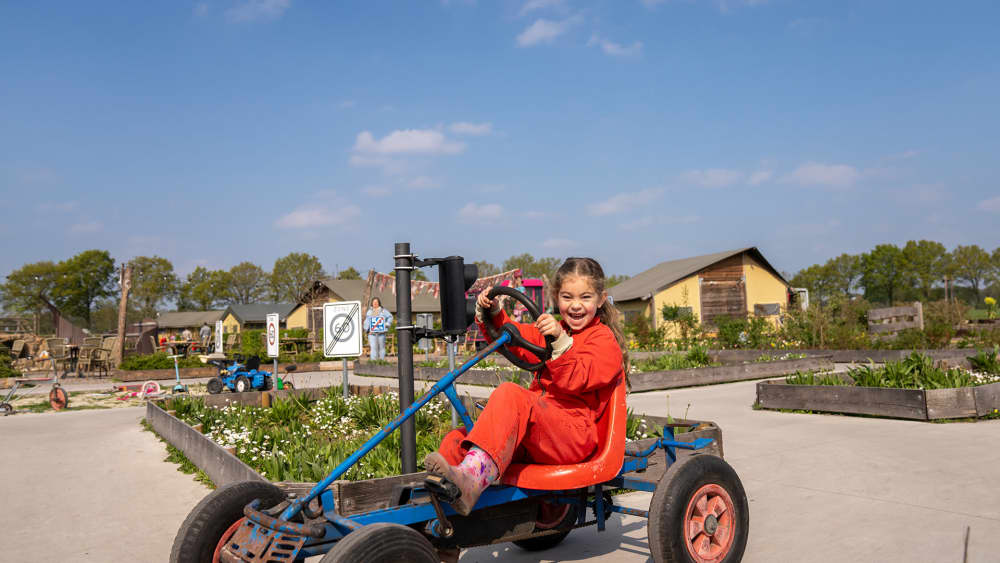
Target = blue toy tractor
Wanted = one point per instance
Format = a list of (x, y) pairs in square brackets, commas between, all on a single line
[(239, 377)]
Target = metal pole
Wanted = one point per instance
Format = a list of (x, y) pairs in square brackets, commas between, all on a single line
[(451, 368), (404, 340), (346, 389)]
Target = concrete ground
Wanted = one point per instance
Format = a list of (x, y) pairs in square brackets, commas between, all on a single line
[(91, 486)]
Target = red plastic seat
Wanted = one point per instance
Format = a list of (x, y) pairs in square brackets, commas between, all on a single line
[(602, 466)]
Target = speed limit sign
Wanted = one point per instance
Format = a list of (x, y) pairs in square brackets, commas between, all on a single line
[(342, 329), (272, 335)]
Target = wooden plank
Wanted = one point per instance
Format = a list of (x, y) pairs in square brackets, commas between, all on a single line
[(987, 398), (897, 403), (893, 327), (672, 379), (892, 312), (950, 403)]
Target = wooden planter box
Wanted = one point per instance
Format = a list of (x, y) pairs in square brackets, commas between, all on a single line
[(672, 379), (210, 370), (912, 404), (952, 356)]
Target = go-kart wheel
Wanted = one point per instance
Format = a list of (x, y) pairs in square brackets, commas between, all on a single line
[(699, 513), (380, 542), (215, 386), (6, 408), (565, 522), (543, 354), (242, 384), (58, 399), (214, 520), (268, 383)]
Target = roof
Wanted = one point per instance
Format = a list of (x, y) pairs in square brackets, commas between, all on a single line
[(257, 312), (644, 284), (353, 290), (187, 319)]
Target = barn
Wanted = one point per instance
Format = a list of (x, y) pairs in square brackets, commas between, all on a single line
[(734, 283)]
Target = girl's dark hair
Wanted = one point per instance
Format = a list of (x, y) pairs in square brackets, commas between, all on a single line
[(589, 268)]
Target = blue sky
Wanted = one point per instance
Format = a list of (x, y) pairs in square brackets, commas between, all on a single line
[(634, 131)]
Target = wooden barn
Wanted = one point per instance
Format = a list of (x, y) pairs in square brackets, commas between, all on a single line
[(734, 283)]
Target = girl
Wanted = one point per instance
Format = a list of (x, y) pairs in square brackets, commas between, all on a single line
[(377, 321), (552, 422)]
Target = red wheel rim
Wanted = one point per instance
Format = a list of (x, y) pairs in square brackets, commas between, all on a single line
[(550, 515), (58, 399), (216, 557), (709, 523)]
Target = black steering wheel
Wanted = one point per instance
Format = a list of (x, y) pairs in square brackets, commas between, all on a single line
[(543, 354)]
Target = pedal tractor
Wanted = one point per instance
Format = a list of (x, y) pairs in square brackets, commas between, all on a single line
[(698, 512), (240, 377)]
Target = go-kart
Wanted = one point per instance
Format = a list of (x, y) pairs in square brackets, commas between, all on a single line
[(240, 376), (698, 512)]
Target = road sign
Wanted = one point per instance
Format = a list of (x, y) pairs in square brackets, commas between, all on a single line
[(272, 335), (342, 329), (218, 337), (425, 320)]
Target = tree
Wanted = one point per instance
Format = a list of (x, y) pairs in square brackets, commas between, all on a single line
[(23, 287), (843, 272), (818, 281), (884, 273), (349, 274), (83, 279), (532, 268), (419, 275), (972, 265), (486, 269), (615, 280), (248, 283), (153, 281), (204, 290), (294, 275), (925, 263)]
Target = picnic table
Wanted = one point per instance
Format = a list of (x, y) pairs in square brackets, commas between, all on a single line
[(294, 345), (181, 346)]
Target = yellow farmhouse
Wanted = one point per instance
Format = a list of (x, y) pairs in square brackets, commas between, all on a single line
[(734, 283)]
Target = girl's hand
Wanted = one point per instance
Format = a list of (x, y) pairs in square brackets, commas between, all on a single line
[(485, 303), (548, 326)]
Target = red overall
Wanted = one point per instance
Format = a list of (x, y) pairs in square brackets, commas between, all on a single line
[(552, 422)]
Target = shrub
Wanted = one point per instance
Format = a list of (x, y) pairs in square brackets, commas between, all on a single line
[(642, 336), (6, 365), (158, 360), (749, 332)]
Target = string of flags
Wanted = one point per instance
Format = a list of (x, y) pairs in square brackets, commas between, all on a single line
[(380, 281)]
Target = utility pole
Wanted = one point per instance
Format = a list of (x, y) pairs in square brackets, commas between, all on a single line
[(119, 349)]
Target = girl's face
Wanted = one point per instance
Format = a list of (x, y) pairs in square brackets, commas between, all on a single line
[(578, 301)]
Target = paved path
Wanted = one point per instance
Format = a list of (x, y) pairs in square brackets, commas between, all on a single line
[(91, 486)]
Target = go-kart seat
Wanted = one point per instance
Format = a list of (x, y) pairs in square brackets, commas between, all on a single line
[(253, 363), (602, 466)]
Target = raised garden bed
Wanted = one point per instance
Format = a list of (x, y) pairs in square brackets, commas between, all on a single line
[(209, 371), (953, 356), (672, 379), (914, 388)]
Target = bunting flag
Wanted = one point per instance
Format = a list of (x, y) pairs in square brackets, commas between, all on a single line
[(434, 288), (490, 281)]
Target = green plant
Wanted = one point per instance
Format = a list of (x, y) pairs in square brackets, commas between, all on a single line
[(744, 332), (159, 360), (695, 358), (6, 365), (986, 361), (642, 336), (685, 322)]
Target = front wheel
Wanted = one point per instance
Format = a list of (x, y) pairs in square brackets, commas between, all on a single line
[(214, 520), (699, 513), (242, 384), (382, 542), (215, 386)]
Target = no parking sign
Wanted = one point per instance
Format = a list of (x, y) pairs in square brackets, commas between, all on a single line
[(272, 335)]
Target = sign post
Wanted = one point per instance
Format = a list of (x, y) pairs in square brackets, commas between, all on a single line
[(272, 333), (218, 337), (342, 333)]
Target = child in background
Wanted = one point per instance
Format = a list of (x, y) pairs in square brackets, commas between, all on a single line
[(554, 421)]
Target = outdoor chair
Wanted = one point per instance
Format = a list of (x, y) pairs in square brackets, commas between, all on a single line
[(18, 350), (60, 355), (157, 347), (131, 342), (232, 341), (100, 361)]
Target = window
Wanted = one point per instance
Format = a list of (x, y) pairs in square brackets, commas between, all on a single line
[(767, 309)]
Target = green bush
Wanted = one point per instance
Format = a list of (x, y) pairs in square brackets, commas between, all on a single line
[(642, 336), (158, 360), (745, 332), (6, 365)]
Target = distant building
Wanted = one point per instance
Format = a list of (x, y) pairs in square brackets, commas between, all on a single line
[(173, 323), (734, 283), (237, 318)]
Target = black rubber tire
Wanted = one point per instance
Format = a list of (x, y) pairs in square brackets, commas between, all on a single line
[(215, 386), (201, 531), (268, 383), (382, 543), (6, 408), (542, 543), (671, 497), (242, 384)]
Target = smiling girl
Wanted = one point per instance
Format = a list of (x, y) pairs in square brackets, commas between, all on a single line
[(553, 421)]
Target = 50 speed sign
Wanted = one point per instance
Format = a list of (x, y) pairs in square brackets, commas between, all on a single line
[(342, 329)]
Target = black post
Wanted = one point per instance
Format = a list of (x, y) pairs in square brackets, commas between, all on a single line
[(404, 342)]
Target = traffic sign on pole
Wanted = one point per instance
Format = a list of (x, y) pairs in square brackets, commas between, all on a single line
[(218, 337), (273, 323), (342, 329)]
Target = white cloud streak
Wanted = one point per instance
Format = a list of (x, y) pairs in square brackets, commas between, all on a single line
[(615, 49), (407, 141), (534, 5), (317, 215), (992, 205), (713, 177), (759, 177), (475, 212), (624, 201), (254, 10), (819, 174), (659, 221), (87, 227), (474, 129), (545, 31), (375, 191)]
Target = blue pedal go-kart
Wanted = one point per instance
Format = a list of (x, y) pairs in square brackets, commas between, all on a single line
[(698, 512), (240, 377)]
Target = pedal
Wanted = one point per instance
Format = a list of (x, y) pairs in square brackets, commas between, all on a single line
[(442, 488)]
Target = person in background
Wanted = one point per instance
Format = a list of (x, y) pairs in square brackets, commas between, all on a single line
[(377, 321), (206, 335), (186, 335)]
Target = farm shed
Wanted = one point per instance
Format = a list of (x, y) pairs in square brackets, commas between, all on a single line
[(734, 283), (237, 318), (173, 323), (309, 314)]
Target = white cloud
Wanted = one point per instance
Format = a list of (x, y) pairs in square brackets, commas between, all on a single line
[(408, 141), (624, 201), (87, 227), (759, 177), (615, 49), (317, 215), (375, 191), (558, 243), (423, 183), (713, 177), (535, 215), (466, 128), (253, 10), (545, 31), (819, 174), (532, 5), (474, 212), (992, 205)]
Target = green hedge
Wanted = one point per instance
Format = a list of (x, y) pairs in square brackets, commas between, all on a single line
[(158, 360)]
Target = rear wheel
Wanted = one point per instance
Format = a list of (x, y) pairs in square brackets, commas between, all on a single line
[(383, 542), (699, 513), (215, 386), (6, 408), (242, 384), (58, 399), (214, 520), (560, 516)]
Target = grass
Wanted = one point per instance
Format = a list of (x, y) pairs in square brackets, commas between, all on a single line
[(174, 455)]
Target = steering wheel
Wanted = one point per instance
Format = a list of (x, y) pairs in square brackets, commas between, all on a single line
[(543, 354)]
